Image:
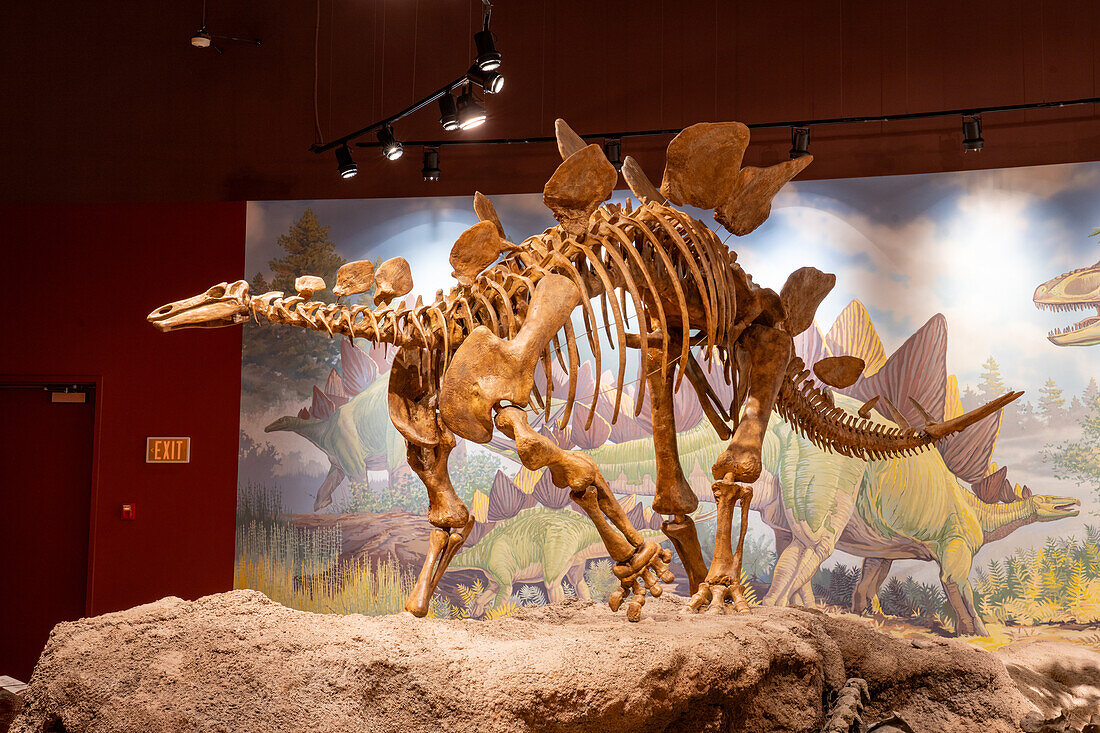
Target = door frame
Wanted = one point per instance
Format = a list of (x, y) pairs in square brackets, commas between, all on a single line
[(96, 380)]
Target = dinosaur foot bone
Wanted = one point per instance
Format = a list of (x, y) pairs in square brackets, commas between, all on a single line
[(639, 574), (719, 598), (442, 547), (723, 582)]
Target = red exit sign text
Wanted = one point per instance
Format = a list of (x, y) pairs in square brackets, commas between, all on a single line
[(167, 450)]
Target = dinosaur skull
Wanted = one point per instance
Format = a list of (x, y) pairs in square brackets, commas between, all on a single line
[(225, 304), (1049, 508), (1076, 290)]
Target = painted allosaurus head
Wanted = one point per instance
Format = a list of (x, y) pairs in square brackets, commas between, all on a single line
[(1073, 291)]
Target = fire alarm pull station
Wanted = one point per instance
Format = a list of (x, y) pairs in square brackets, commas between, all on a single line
[(129, 511)]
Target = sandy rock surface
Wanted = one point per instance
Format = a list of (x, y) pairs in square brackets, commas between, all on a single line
[(239, 662)]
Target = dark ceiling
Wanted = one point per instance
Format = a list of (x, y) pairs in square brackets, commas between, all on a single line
[(109, 102)]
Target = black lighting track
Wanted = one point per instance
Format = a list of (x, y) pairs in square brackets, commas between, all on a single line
[(482, 73), (966, 112)]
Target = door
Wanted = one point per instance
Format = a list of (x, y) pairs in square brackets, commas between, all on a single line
[(45, 500)]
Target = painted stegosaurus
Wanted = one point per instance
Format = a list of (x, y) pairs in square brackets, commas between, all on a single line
[(908, 507)]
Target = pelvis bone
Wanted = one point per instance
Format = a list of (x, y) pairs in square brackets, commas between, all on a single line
[(487, 370)]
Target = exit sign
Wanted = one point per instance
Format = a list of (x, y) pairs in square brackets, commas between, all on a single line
[(167, 450)]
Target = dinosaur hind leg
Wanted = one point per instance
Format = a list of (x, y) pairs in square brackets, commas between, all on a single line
[(723, 581), (673, 494), (769, 351), (875, 570), (637, 561)]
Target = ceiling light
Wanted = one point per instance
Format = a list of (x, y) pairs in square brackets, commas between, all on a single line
[(448, 113), (344, 162), (470, 112), (488, 57), (430, 171), (972, 134), (391, 148), (800, 142), (201, 39), (612, 150), (490, 81)]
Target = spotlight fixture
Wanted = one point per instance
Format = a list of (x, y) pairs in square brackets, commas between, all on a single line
[(448, 113), (430, 171), (612, 149), (488, 57), (470, 112), (344, 162), (490, 81), (203, 38), (800, 142), (972, 134), (391, 148)]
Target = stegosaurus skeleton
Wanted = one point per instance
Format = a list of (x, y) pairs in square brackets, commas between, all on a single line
[(466, 363)]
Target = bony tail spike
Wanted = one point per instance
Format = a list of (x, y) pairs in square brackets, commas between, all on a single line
[(928, 419), (964, 421), (866, 407), (895, 413)]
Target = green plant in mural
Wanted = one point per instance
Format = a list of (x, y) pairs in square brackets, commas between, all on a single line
[(601, 581), (1058, 581), (276, 358), (474, 474), (1052, 405), (1079, 460), (834, 586), (404, 493), (301, 568)]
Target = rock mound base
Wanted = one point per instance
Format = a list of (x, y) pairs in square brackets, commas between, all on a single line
[(240, 662)]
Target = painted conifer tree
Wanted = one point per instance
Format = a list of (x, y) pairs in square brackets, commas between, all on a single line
[(1079, 460), (1052, 405), (992, 385), (295, 358)]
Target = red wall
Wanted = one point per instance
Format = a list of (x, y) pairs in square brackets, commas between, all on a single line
[(110, 102), (79, 281)]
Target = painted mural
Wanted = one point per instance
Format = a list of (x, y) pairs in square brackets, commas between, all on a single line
[(953, 288)]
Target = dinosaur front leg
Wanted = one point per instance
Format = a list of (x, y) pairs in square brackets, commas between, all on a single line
[(639, 563), (673, 494), (413, 400), (955, 561), (446, 512), (580, 585)]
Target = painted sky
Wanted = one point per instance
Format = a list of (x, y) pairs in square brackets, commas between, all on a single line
[(971, 245)]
